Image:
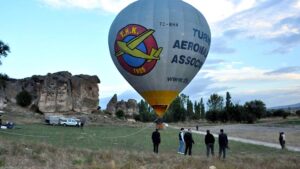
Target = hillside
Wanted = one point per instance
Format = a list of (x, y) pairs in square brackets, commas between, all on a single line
[(287, 107)]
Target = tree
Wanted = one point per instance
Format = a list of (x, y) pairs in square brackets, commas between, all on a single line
[(189, 108), (281, 113), (212, 115), (23, 98), (215, 102), (120, 114), (3, 79), (298, 113), (197, 109), (228, 104), (256, 108), (237, 113), (176, 111), (4, 49), (202, 109), (145, 113)]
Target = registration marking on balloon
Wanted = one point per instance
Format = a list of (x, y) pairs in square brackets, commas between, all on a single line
[(136, 49)]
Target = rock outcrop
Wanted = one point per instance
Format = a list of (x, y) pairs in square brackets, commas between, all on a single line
[(55, 93), (130, 108)]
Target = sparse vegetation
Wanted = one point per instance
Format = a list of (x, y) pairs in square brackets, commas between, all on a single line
[(120, 114), (102, 147), (3, 79), (23, 98), (4, 49), (298, 113)]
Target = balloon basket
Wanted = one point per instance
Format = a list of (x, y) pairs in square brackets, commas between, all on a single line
[(159, 124)]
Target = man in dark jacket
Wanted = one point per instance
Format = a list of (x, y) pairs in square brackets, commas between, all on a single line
[(282, 139), (188, 139), (209, 141), (155, 140), (223, 143)]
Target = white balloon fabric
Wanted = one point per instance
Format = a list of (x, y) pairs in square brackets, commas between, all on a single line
[(159, 46)]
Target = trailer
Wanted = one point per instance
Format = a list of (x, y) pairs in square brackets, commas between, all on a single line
[(53, 120)]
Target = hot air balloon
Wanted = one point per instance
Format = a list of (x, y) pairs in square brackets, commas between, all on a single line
[(159, 46)]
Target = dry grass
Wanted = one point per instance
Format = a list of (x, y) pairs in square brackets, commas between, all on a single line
[(43, 156)]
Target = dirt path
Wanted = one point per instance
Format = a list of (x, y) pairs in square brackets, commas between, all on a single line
[(238, 127)]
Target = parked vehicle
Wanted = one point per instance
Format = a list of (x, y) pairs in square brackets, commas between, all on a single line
[(69, 122), (52, 120)]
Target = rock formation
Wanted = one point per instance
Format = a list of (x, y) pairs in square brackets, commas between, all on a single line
[(57, 92), (130, 108)]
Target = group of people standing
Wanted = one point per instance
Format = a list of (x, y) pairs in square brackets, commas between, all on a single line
[(186, 142)]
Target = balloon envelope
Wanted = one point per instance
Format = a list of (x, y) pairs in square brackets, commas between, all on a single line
[(159, 46)]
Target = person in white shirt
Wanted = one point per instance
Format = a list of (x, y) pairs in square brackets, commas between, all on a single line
[(181, 141)]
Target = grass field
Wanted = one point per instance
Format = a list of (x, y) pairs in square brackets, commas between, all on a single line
[(292, 122), (123, 147)]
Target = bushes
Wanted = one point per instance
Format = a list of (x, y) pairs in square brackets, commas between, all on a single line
[(298, 113), (281, 113), (120, 114), (23, 98), (3, 79)]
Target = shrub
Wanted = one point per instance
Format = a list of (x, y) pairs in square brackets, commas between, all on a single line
[(120, 114), (298, 113), (212, 115), (285, 115), (137, 117), (107, 112), (3, 79), (280, 113), (35, 109), (23, 98)]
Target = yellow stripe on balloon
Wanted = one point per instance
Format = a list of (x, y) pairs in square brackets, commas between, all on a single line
[(160, 100)]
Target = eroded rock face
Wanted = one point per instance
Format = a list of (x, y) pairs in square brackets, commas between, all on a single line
[(130, 108), (85, 91), (112, 104), (57, 92)]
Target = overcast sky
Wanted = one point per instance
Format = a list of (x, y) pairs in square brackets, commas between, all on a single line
[(255, 50)]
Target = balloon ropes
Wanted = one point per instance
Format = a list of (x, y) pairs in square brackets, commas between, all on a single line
[(159, 46)]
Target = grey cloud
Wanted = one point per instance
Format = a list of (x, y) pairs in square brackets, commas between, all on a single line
[(198, 85), (203, 87), (217, 90), (232, 33), (287, 40), (214, 61), (283, 97), (271, 4), (219, 45), (238, 24), (280, 50), (291, 21), (291, 69)]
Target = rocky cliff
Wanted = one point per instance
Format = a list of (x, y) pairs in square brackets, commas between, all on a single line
[(130, 108), (55, 93)]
